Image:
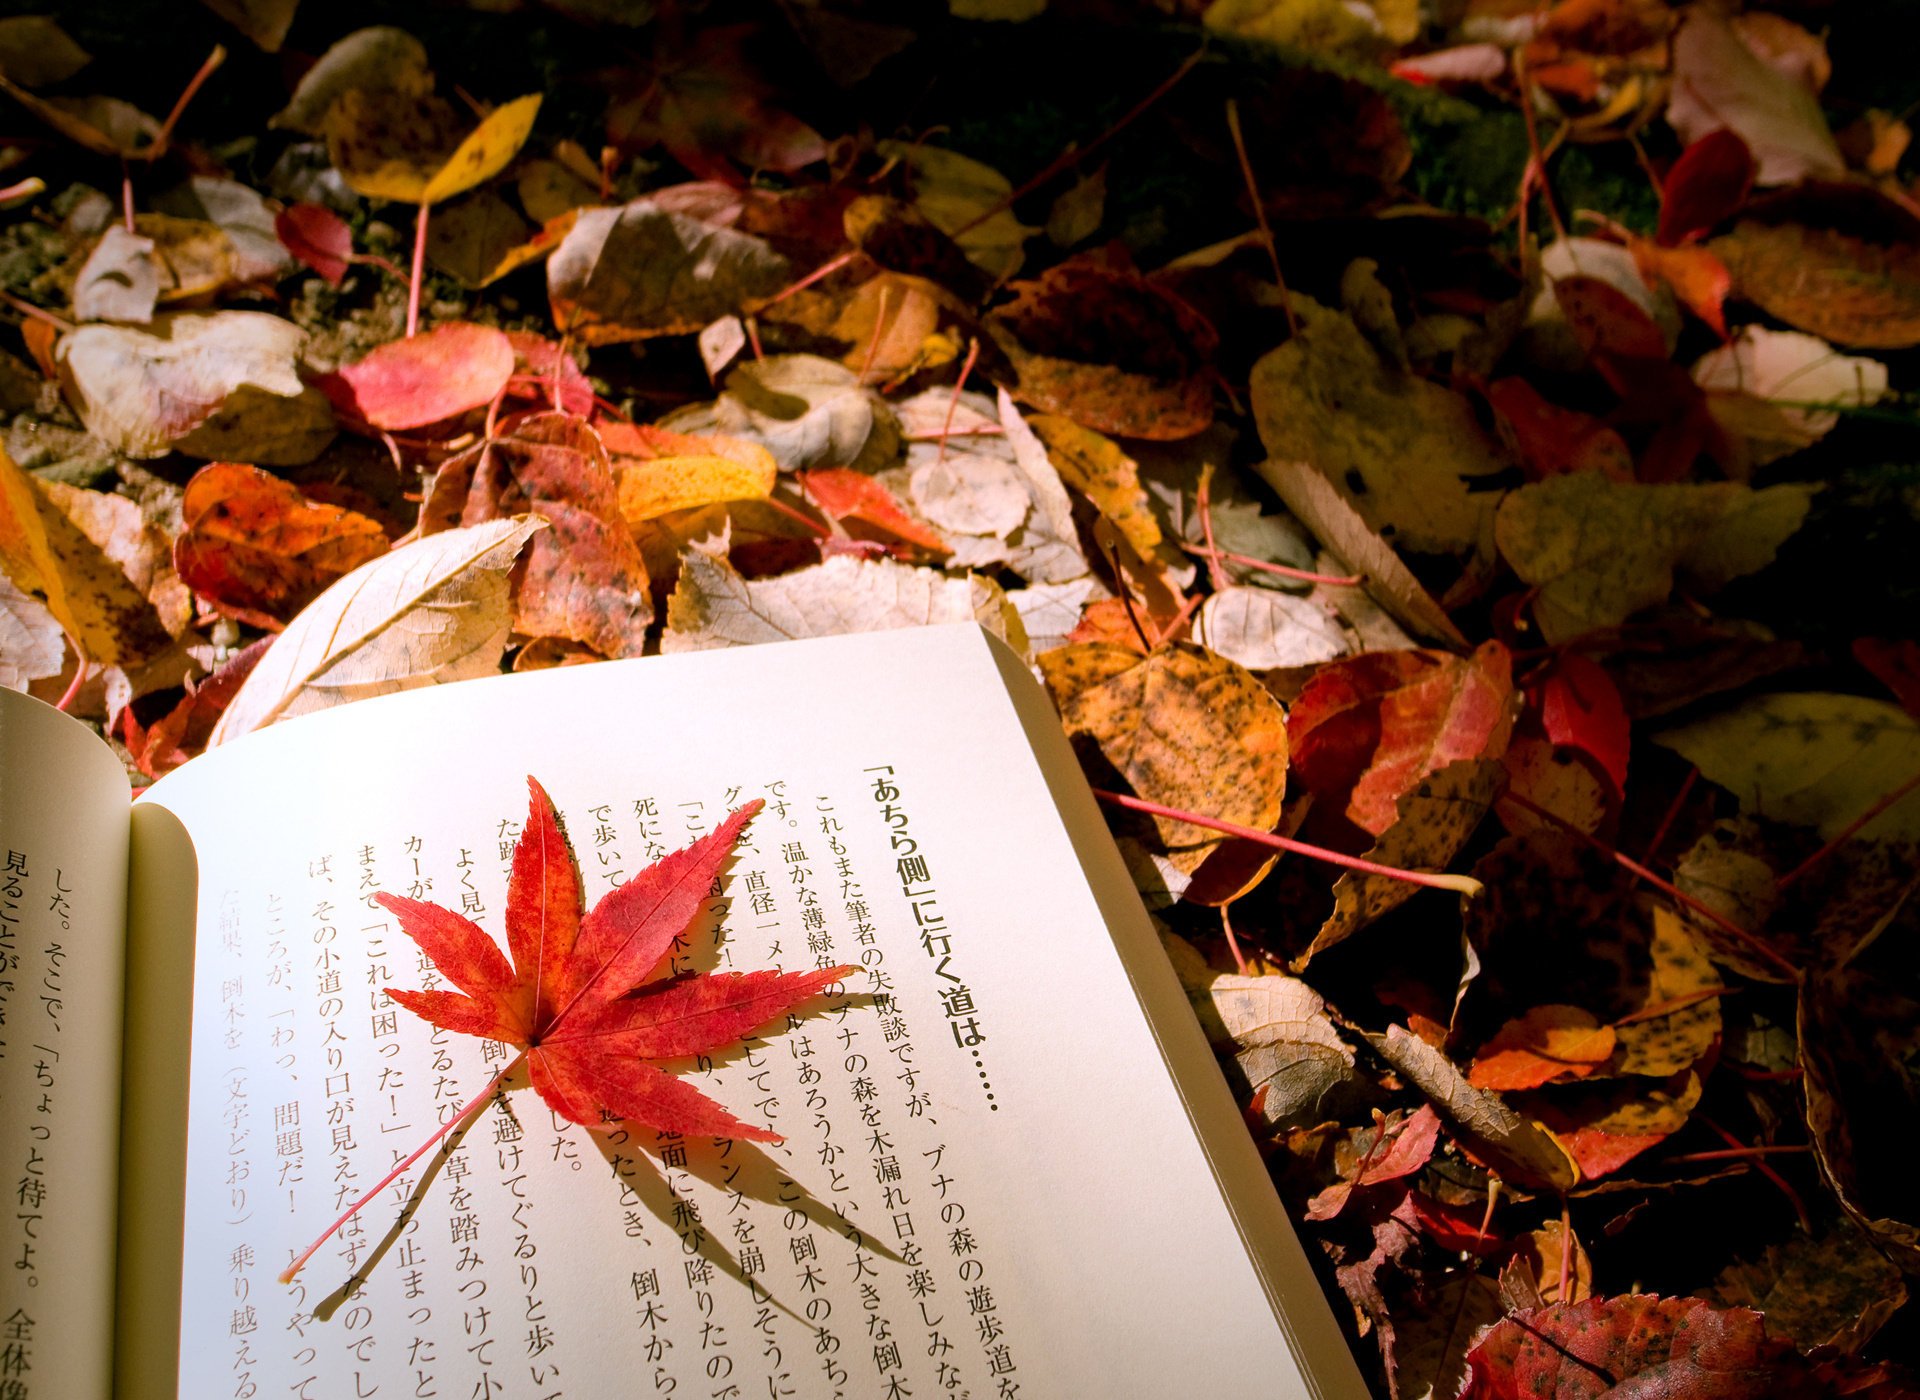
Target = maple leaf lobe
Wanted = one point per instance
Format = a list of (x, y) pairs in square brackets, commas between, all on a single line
[(576, 990)]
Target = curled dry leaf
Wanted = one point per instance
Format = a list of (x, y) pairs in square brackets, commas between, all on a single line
[(1598, 551), (1184, 728), (119, 281), (712, 606), (428, 613), (1434, 1330), (1261, 629), (1402, 451), (1285, 1045), (423, 379), (640, 270), (259, 550), (583, 579), (1515, 1148), (140, 391)]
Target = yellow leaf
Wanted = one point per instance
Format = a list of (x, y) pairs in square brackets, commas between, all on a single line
[(651, 489), (486, 151), (1095, 466), (49, 557), (393, 145)]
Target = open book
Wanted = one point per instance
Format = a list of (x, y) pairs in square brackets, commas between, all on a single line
[(1011, 1166)]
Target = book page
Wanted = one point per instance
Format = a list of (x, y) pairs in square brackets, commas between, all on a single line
[(63, 885), (990, 1184)]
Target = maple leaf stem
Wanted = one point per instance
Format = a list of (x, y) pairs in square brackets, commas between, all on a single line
[(1215, 574), (419, 271), (1725, 1154), (959, 386), (1848, 832), (467, 1110), (1260, 214), (1751, 941), (1760, 1165), (201, 74), (1433, 880), (80, 673)]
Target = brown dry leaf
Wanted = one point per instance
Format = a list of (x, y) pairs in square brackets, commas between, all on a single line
[(1839, 287), (377, 59), (1183, 728), (140, 391), (267, 429), (806, 411), (104, 125), (266, 22), (953, 192), (1554, 777), (32, 646), (429, 613), (1775, 392), (259, 550), (1598, 551), (1436, 818), (1659, 1042), (1512, 1146), (1110, 350), (411, 149), (640, 269), (1547, 1252), (1402, 451), (583, 579), (54, 557), (478, 240), (1832, 1290), (1285, 1045), (1342, 529), (36, 52), (1434, 1329), (712, 606)]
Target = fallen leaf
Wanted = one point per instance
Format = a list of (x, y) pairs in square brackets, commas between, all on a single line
[(1285, 1046), (1547, 1043), (476, 239), (1833, 1289), (1184, 728), (1508, 1144), (1706, 186), (266, 22), (1718, 82), (140, 391), (105, 126), (640, 270), (1050, 611), (1261, 629), (1342, 529), (120, 280), (316, 236), (583, 578), (1837, 286), (424, 379), (428, 613), (377, 59), (1554, 441), (1635, 1345), (1111, 350), (53, 557), (1402, 451), (1435, 819), (1434, 1330), (673, 472), (712, 606), (182, 732), (1598, 551), (32, 645), (806, 411), (259, 550), (1100, 470), (267, 429), (1046, 548), (1809, 758), (847, 495), (238, 211), (36, 52), (956, 193), (1896, 665), (410, 149), (1548, 1251), (1553, 777), (1779, 391), (1606, 1123), (1580, 708)]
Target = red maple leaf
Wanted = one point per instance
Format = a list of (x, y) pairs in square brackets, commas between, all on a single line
[(577, 997)]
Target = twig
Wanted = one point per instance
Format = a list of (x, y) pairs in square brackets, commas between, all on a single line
[(1459, 884), (1260, 214), (1759, 1165), (1247, 561), (1126, 596)]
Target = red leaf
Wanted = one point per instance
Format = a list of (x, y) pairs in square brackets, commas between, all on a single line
[(1553, 440), (846, 494), (182, 732), (1580, 707), (316, 236), (1607, 322), (1706, 185), (547, 374), (1459, 710), (425, 379), (576, 995), (1896, 665), (260, 551), (1639, 1345)]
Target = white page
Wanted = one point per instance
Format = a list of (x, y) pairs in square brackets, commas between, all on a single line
[(63, 874), (1054, 1227)]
